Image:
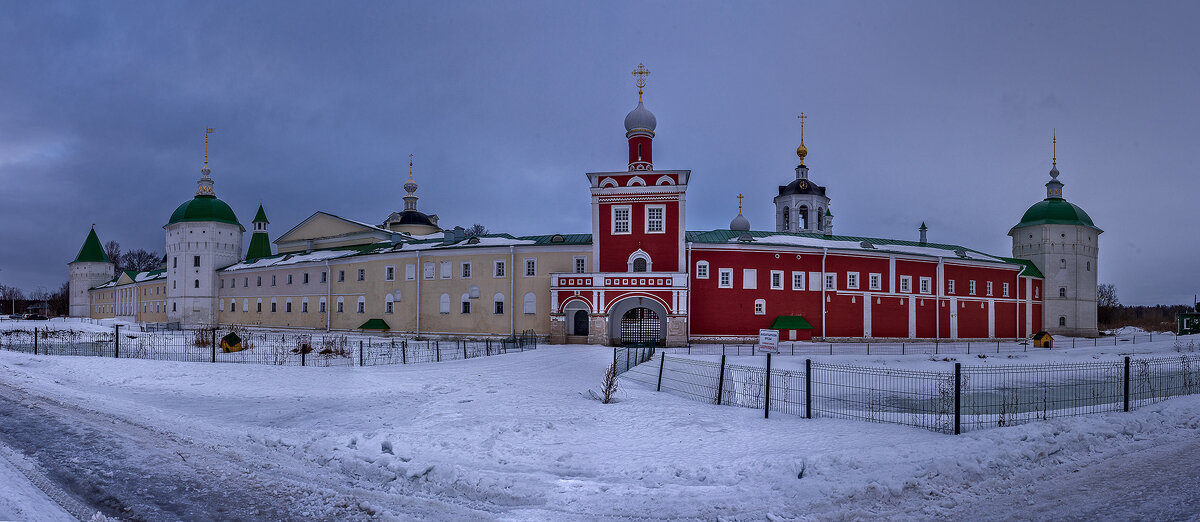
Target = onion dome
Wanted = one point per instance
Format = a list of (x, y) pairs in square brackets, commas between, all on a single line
[(640, 119), (1055, 211), (740, 222), (205, 206)]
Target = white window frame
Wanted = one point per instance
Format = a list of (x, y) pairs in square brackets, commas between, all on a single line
[(628, 221), (410, 272), (446, 269), (1004, 288), (427, 271), (760, 307), (362, 275), (701, 269), (464, 306), (852, 280), (444, 304), (831, 281), (465, 269), (579, 264), (531, 263), (971, 287), (498, 298), (949, 286), (749, 279), (926, 285), (988, 288), (906, 284), (389, 273), (725, 278), (777, 280), (875, 281), (362, 304), (662, 221), (798, 280), (529, 303), (499, 269)]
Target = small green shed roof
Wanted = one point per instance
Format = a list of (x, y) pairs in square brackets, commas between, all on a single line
[(375, 324), (91, 251), (790, 322)]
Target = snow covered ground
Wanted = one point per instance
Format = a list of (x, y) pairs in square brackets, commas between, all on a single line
[(514, 437)]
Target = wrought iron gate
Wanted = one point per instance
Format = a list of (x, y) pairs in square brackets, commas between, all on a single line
[(640, 325)]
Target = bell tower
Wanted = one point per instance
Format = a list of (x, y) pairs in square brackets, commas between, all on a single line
[(802, 206)]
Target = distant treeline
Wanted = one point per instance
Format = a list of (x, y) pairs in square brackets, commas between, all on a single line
[(1157, 318)]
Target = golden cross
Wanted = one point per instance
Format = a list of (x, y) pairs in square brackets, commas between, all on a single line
[(1054, 148), (739, 204), (802, 118), (410, 158), (641, 73), (207, 131)]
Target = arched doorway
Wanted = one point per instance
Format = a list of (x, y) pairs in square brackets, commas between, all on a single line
[(579, 323), (640, 325)]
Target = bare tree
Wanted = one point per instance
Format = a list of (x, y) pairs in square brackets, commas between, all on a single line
[(1107, 303), (113, 250), (60, 300), (10, 295), (141, 260), (476, 230)]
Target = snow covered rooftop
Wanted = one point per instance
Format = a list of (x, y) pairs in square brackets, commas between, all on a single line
[(843, 243)]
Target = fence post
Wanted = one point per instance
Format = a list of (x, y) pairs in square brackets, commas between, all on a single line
[(722, 349), (404, 351), (117, 341), (614, 357), (767, 390), (662, 361), (901, 348), (808, 388), (721, 380), (830, 348), (437, 349), (464, 343), (214, 345), (360, 352), (302, 355), (1126, 383), (868, 348), (35, 336), (957, 397), (968, 347)]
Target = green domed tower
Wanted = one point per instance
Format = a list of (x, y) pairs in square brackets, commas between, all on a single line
[(1062, 241)]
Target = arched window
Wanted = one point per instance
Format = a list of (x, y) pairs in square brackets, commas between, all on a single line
[(639, 261), (530, 303), (1089, 266), (389, 303), (820, 217), (321, 306), (362, 304), (341, 305), (466, 303), (1062, 292), (787, 219), (444, 304), (802, 217), (1062, 321), (760, 307), (498, 304), (639, 265)]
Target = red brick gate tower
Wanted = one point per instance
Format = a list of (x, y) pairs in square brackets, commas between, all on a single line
[(637, 289)]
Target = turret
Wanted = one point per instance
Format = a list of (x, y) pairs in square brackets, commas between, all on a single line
[(639, 128), (90, 268), (802, 206), (260, 242)]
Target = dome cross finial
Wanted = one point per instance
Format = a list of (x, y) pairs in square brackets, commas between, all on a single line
[(1054, 148), (740, 204), (410, 163), (207, 131), (641, 73), (802, 151), (204, 187)]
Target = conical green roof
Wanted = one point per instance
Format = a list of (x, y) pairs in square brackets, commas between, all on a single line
[(260, 217), (260, 246), (91, 251)]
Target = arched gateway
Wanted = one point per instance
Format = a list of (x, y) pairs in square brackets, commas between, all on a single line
[(637, 320)]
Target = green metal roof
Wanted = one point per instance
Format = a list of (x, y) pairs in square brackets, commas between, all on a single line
[(91, 251), (260, 245), (567, 239), (375, 324), (1055, 211), (260, 217), (204, 208), (1030, 270), (791, 322)]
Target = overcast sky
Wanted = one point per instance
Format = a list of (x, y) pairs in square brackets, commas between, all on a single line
[(918, 111)]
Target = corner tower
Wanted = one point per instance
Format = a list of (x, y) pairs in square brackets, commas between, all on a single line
[(203, 235), (1061, 240), (802, 206), (91, 267)]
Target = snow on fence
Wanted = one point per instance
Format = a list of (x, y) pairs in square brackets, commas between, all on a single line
[(273, 348), (914, 347), (968, 398)]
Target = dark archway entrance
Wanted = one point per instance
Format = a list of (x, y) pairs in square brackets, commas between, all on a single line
[(640, 325), (580, 323)]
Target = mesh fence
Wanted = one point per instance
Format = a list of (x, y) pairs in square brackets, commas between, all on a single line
[(969, 398), (915, 347)]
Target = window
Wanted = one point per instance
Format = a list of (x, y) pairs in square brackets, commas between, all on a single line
[(777, 280), (387, 306), (926, 283), (174, 308), (341, 305), (1062, 263), (530, 303), (289, 279), (498, 301), (852, 280), (906, 284), (246, 282), (258, 306), (1062, 321), (989, 288), (304, 279), (1089, 266), (971, 287), (362, 274), (749, 278), (831, 281), (197, 284), (702, 270), (466, 270), (639, 264), (1005, 289), (1035, 293), (195, 260), (654, 219), (874, 280), (1062, 292), (787, 219), (287, 306), (222, 286), (797, 280), (444, 304), (725, 278), (760, 307), (446, 270), (949, 286), (389, 273), (232, 305), (341, 275), (273, 306), (466, 303), (410, 272), (620, 217), (245, 305), (362, 305), (304, 306), (175, 263), (323, 277), (580, 265), (530, 267), (321, 306), (498, 268)]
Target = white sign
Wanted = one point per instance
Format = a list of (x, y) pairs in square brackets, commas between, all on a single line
[(768, 341)]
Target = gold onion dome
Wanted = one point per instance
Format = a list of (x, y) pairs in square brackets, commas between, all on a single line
[(801, 151)]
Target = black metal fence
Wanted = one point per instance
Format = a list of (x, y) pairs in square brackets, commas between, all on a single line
[(915, 347), (967, 398), (629, 356), (273, 348)]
